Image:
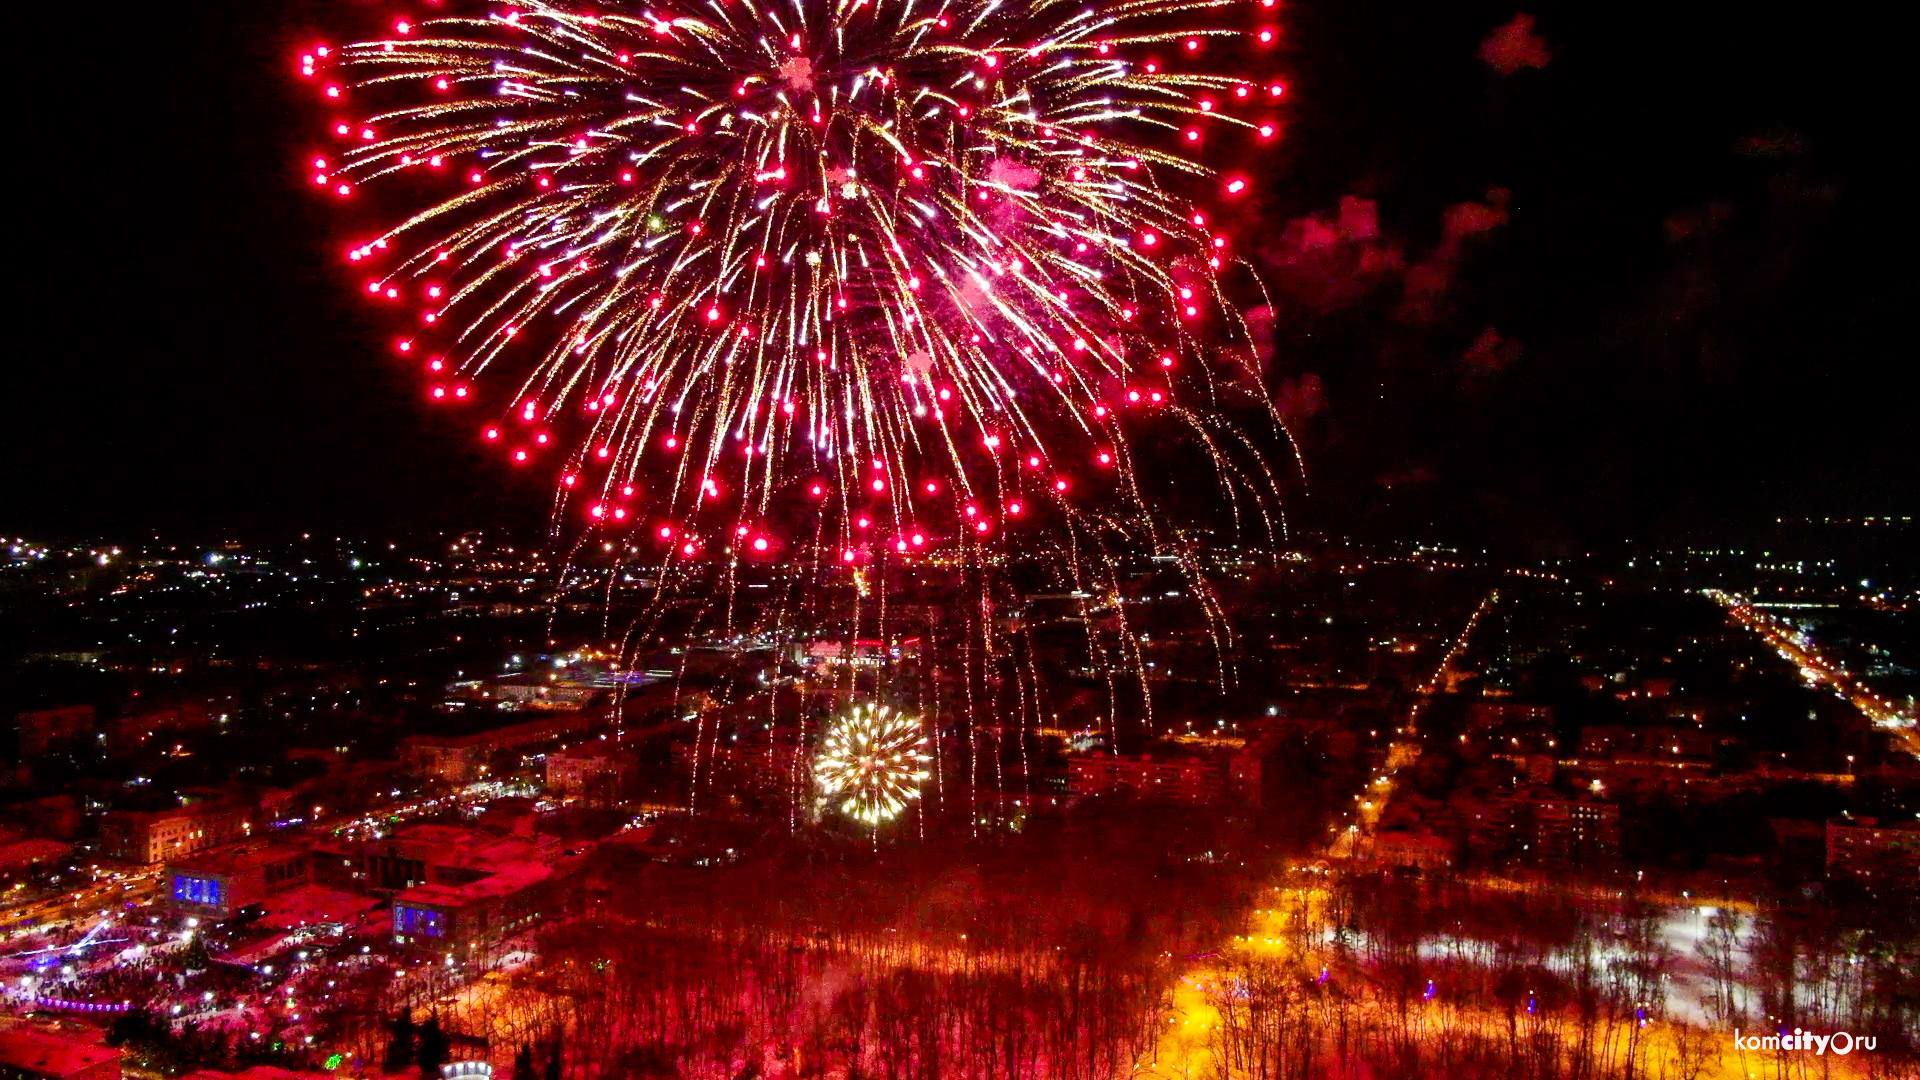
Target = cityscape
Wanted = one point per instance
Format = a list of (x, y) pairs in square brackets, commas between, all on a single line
[(332, 804), (882, 540)]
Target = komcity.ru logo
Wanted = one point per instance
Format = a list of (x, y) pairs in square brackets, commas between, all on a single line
[(1840, 1042)]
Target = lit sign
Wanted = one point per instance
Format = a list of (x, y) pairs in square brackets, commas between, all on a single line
[(196, 890), (425, 922)]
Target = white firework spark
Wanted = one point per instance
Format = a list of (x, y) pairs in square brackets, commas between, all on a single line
[(871, 763)]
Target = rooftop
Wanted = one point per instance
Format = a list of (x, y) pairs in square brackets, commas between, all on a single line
[(549, 725), (236, 860), (455, 846), (312, 905), (509, 879)]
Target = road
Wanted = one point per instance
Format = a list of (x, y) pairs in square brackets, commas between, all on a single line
[(110, 891), (1797, 649)]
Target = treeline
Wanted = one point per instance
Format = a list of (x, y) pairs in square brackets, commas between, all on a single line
[(1049, 958), (1386, 976)]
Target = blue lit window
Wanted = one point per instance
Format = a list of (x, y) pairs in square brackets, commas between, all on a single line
[(423, 922), (196, 890)]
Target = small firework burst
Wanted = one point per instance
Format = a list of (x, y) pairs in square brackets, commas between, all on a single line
[(871, 763)]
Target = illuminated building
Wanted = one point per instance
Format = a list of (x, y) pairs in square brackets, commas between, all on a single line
[(151, 836), (462, 759), (1399, 847), (588, 773), (219, 884), (1863, 846), (859, 653), (1182, 778), (462, 920), (424, 855), (1569, 832)]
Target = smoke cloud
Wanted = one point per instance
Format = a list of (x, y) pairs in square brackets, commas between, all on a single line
[(1326, 261), (1299, 399), (1515, 46), (1428, 281), (1490, 352)]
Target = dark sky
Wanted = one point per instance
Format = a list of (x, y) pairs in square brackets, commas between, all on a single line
[(1671, 291)]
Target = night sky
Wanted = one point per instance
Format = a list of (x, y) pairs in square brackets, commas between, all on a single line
[(1656, 275)]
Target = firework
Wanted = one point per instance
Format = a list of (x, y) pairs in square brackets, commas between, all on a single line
[(847, 276), (871, 763)]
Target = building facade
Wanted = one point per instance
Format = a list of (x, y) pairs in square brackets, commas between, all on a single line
[(39, 730), (1196, 780), (462, 759), (218, 885), (468, 920), (589, 774), (1867, 847), (155, 836)]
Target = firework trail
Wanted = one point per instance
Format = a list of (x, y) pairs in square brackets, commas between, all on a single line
[(871, 763), (818, 279)]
